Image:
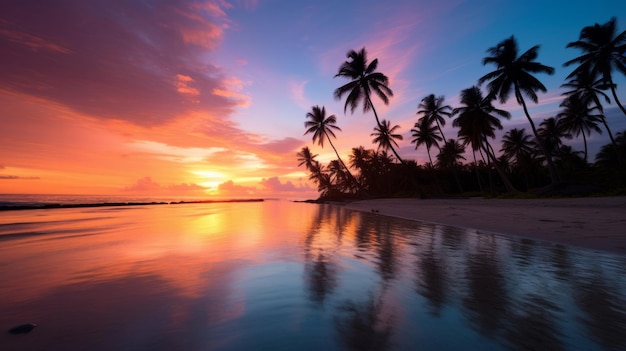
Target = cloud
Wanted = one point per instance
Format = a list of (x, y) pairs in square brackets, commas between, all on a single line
[(274, 185), (231, 189), (116, 60), (4, 177), (147, 185)]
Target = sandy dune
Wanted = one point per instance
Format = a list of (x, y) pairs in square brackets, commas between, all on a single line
[(594, 223)]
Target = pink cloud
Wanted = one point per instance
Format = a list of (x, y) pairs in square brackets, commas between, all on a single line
[(231, 189), (147, 185), (274, 185), (115, 60)]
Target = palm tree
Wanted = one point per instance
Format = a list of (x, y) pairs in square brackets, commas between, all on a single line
[(363, 81), (577, 118), (476, 122), (433, 109), (552, 134), (323, 128), (306, 157), (517, 145), (359, 160), (603, 51), (450, 156), (425, 134), (514, 73), (607, 156), (385, 138), (589, 89)]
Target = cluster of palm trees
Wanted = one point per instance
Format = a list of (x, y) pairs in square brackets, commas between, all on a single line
[(531, 159)]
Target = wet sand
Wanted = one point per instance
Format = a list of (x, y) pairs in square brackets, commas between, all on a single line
[(597, 223)]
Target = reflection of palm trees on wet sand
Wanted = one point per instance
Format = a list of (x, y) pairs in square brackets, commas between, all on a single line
[(365, 326)]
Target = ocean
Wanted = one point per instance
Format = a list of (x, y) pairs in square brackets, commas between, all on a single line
[(279, 275)]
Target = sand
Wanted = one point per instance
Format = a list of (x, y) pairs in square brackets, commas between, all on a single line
[(597, 223)]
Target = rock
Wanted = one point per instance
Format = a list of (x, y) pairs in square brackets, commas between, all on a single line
[(22, 329)]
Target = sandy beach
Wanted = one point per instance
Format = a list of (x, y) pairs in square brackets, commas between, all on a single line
[(597, 223)]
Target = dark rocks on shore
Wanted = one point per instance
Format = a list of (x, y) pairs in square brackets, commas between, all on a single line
[(22, 329)]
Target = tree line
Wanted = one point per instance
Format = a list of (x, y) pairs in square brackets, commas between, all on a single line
[(535, 160)]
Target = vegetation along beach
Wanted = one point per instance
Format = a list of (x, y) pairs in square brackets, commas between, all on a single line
[(312, 175)]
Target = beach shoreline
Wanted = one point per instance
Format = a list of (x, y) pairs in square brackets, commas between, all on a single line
[(596, 223)]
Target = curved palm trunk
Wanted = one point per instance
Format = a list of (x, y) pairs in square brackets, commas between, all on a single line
[(615, 95), (356, 183), (554, 176), (369, 101), (441, 131), (507, 183)]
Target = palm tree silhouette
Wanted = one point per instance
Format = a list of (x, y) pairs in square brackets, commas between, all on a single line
[(450, 156), (433, 109), (516, 145), (425, 134), (476, 122), (553, 134), (603, 51), (578, 118), (589, 90), (513, 73), (363, 81), (306, 158), (322, 128), (385, 138)]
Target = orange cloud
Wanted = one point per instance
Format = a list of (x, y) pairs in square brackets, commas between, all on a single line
[(182, 85)]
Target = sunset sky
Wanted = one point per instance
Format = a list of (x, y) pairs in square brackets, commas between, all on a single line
[(208, 98)]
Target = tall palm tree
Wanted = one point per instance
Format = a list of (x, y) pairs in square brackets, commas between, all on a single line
[(385, 138), (433, 109), (514, 74), (477, 121), (364, 80), (323, 128), (603, 51), (425, 134), (578, 118)]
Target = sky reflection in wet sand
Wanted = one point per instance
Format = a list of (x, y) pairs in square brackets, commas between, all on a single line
[(279, 275)]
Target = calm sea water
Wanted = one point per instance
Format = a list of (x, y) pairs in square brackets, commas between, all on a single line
[(292, 276)]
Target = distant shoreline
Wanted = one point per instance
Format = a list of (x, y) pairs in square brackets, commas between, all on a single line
[(597, 223), (117, 204)]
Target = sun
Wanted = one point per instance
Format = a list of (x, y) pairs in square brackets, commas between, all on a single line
[(210, 179)]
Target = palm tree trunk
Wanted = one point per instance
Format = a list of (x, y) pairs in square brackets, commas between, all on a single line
[(441, 131), (432, 169), (585, 143), (554, 176), (369, 101), (343, 164), (480, 184), (615, 95)]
